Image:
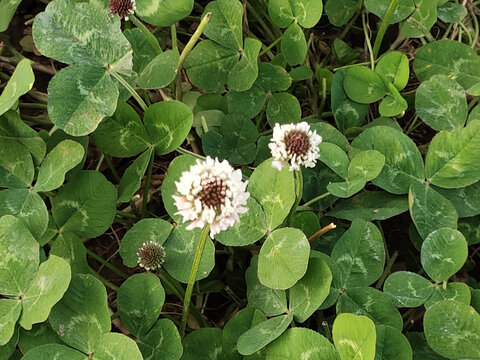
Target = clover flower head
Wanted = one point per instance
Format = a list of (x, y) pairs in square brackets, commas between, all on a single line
[(211, 192), (123, 8), (294, 144), (151, 255)]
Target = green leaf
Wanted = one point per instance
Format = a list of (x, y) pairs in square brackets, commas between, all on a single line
[(245, 72), (143, 51), (161, 71), (366, 165), (40, 334), (235, 142), (116, 346), (28, 207), (347, 188), (208, 65), (452, 155), (451, 12), (54, 351), (132, 177), (156, 230), (263, 334), (335, 158), (82, 33), (348, 113), (7, 8), (167, 123), (46, 289), (301, 343), (64, 157), (380, 7), (458, 291), (463, 199), (249, 103), (82, 315), (242, 321), (360, 254), (343, 52), (20, 257), (303, 72), (271, 302), (306, 12), (452, 58), (16, 165), (337, 282), (283, 108), (225, 25), (122, 134), (85, 205), (425, 13), (273, 77), (80, 96), (251, 227), (294, 44), (392, 344), (393, 68), (403, 162), (441, 103), (162, 342), (176, 168), (452, 329), (283, 258), (280, 12), (370, 205), (20, 83), (430, 210), (470, 228), (203, 344), (363, 85), (163, 13), (373, 303), (421, 350), (69, 247), (307, 221), (393, 104), (354, 337), (277, 198), (9, 313), (444, 252), (140, 301), (408, 289), (311, 290), (340, 11), (180, 249)]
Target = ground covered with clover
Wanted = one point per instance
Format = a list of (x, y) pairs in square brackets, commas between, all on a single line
[(239, 179)]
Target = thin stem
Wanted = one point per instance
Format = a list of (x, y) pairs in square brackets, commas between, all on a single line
[(147, 184), (387, 270), (269, 47), (298, 195), (112, 168), (103, 280), (191, 279), (32, 105), (475, 27), (173, 34), (150, 37), (257, 17), (318, 198), (186, 51), (383, 27), (322, 231), (106, 263), (422, 28), (188, 152), (367, 40), (130, 89)]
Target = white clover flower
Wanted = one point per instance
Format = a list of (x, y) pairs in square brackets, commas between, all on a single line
[(212, 192), (295, 144), (122, 7)]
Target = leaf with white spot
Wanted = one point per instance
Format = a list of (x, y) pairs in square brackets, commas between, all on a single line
[(47, 288), (54, 351), (354, 337), (425, 13), (161, 342), (132, 177), (9, 312), (458, 291), (20, 83), (225, 25), (163, 12), (115, 346), (16, 165), (408, 289)]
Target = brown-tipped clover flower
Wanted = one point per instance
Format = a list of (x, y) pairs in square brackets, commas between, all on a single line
[(294, 144), (151, 255), (213, 193), (122, 8)]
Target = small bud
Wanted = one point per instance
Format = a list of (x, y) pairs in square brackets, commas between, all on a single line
[(151, 255), (122, 8)]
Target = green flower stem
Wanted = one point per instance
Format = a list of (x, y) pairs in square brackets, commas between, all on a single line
[(422, 28), (387, 271), (106, 264), (367, 40), (318, 198), (173, 32), (130, 89), (298, 195), (269, 47), (186, 51), (112, 168), (188, 152), (104, 281), (150, 37), (192, 277), (475, 27), (383, 27), (147, 184)]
